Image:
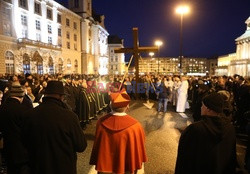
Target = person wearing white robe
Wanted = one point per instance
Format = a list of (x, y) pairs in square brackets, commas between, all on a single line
[(177, 84), (169, 84), (182, 95)]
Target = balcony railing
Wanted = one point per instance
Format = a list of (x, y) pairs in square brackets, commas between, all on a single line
[(24, 41)]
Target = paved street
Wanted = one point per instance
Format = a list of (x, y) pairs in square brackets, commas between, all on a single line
[(162, 136)]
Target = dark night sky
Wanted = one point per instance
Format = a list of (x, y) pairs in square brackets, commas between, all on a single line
[(209, 30)]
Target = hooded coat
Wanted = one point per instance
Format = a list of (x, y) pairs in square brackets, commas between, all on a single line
[(207, 147), (119, 145)]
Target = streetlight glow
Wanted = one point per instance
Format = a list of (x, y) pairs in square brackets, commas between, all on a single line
[(182, 9), (151, 54), (158, 43)]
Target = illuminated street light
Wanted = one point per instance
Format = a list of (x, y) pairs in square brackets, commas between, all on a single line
[(151, 54), (182, 10), (158, 43)]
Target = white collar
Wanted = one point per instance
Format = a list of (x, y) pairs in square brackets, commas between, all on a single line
[(118, 113)]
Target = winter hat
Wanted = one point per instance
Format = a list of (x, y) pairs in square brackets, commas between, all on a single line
[(54, 87), (16, 90), (214, 101), (119, 99)]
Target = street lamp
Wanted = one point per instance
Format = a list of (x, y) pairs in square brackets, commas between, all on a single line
[(158, 43), (151, 55), (182, 10)]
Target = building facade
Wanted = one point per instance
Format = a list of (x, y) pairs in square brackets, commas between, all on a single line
[(170, 65), (116, 60), (239, 62), (93, 38), (39, 36)]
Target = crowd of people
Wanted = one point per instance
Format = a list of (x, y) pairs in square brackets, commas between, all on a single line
[(87, 96)]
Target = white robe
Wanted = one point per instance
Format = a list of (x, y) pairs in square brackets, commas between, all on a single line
[(182, 97)]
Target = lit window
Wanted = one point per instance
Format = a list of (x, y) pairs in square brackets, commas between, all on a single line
[(59, 18), (49, 13), (9, 62), (38, 25), (38, 36), (24, 33), (26, 64), (75, 25), (68, 45), (50, 40), (23, 3), (49, 29), (24, 20), (37, 8), (59, 32), (75, 46), (68, 64), (51, 66), (67, 22), (60, 65)]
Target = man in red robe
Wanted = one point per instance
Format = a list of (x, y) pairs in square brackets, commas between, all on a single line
[(119, 145)]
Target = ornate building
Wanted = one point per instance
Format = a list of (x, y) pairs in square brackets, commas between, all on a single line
[(38, 36), (116, 60), (239, 62), (93, 36)]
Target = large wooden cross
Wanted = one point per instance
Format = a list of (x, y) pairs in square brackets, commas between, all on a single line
[(136, 50)]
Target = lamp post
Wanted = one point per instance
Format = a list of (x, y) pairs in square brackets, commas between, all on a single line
[(158, 43), (181, 10), (151, 55)]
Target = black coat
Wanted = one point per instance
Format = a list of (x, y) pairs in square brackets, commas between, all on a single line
[(53, 135), (164, 91), (207, 147), (11, 122)]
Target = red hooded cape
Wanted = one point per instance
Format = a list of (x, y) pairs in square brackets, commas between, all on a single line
[(119, 145)]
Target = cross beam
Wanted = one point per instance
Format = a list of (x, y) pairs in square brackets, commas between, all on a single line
[(136, 50)]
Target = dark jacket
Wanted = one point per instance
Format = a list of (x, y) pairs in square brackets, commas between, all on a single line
[(53, 135), (164, 91), (207, 147), (11, 122)]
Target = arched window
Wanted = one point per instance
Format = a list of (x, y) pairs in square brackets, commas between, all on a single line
[(69, 64), (51, 65), (26, 64), (9, 62), (76, 66), (60, 65), (39, 62), (40, 65)]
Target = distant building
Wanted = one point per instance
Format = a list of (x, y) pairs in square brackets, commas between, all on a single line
[(239, 62), (116, 60), (38, 37), (170, 65), (223, 64), (212, 66)]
